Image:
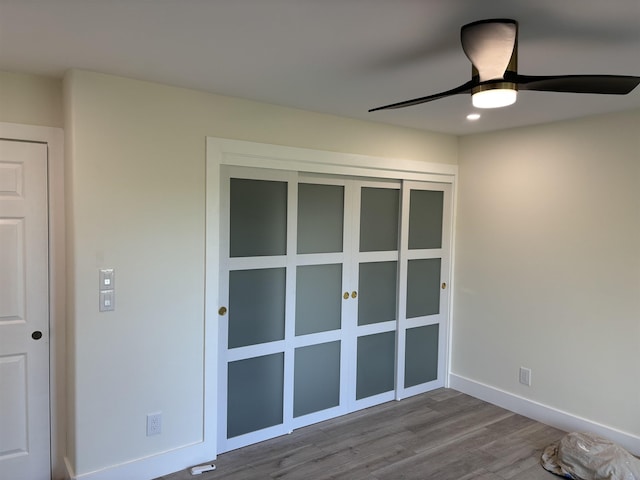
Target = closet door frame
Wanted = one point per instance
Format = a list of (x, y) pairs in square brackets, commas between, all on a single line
[(221, 152)]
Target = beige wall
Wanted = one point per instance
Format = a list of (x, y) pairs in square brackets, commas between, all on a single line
[(548, 265), (136, 202), (30, 99)]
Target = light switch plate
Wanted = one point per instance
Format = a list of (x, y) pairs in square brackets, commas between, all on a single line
[(107, 279), (107, 301)]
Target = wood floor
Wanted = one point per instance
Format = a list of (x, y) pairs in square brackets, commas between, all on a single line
[(439, 435)]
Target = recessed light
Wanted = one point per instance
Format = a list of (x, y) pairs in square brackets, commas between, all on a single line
[(473, 116)]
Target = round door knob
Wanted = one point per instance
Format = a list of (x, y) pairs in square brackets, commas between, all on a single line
[(222, 311), (354, 294), (346, 295), (37, 335)]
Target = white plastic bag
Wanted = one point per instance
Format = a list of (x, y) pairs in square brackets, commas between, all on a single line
[(585, 456)]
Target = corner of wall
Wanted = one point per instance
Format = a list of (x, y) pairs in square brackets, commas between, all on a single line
[(30, 99), (542, 413), (68, 95)]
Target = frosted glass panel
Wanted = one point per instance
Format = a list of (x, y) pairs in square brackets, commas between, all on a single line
[(377, 286), (256, 306), (379, 212), (376, 362), (318, 298), (254, 395), (425, 219), (423, 287), (320, 218), (316, 378), (258, 223), (421, 355)]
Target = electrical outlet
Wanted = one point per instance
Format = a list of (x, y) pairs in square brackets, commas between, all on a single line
[(154, 424), (525, 376)]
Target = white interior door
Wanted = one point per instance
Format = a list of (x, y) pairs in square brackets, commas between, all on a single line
[(24, 312)]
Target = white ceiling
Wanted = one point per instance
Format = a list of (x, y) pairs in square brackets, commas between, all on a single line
[(340, 57)]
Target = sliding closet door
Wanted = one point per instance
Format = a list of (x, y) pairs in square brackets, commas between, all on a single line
[(333, 297), (423, 299), (375, 261), (320, 340), (283, 354), (254, 283)]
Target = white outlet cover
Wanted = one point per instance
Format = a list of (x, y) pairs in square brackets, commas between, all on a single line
[(154, 424), (525, 376)]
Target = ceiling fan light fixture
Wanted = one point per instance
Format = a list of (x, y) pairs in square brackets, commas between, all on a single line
[(495, 95), (492, 47)]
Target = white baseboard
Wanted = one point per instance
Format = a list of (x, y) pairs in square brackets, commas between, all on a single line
[(542, 413), (151, 467)]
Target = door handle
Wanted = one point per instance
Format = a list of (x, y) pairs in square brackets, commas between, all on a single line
[(222, 311), (37, 335)]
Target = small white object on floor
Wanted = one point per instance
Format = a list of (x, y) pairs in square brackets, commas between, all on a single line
[(198, 469)]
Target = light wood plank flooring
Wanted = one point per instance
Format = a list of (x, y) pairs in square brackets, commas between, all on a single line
[(439, 435)]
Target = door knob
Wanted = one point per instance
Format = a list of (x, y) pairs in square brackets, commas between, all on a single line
[(354, 294), (222, 311), (37, 335)]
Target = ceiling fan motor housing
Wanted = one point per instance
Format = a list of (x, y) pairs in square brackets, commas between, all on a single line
[(492, 47)]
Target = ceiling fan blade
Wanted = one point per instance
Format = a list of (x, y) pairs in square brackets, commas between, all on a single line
[(466, 88), (599, 84), (489, 45)]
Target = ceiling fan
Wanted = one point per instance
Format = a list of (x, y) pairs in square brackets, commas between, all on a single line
[(492, 47)]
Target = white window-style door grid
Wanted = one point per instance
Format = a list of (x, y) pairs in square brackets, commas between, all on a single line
[(284, 165)]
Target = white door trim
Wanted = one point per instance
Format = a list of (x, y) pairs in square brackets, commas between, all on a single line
[(54, 138), (240, 153)]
